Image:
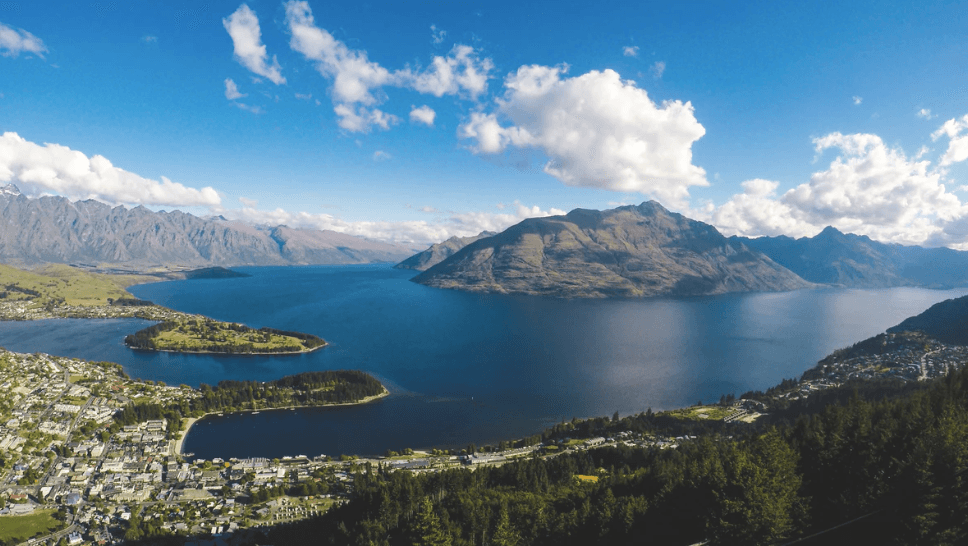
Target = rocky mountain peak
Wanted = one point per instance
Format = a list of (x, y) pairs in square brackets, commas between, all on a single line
[(10, 189)]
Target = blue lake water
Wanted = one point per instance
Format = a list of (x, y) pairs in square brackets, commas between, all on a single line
[(466, 367)]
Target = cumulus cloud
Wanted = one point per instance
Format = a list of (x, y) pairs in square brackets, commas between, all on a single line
[(757, 211), (857, 100), (424, 114), (596, 130), (232, 90), (437, 35), (358, 82), (57, 169), (868, 189), (658, 69), (359, 119), (14, 41), (243, 27), (415, 232), (630, 51), (380, 155), (354, 76), (461, 71), (924, 113), (958, 143)]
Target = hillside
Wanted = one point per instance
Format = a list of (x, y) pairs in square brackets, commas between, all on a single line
[(56, 230), (630, 251), (62, 284), (439, 252), (946, 321), (856, 261)]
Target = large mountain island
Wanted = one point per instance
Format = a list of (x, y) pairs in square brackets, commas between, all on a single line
[(856, 261), (629, 251), (56, 230)]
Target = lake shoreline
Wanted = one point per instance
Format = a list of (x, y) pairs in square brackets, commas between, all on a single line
[(226, 353)]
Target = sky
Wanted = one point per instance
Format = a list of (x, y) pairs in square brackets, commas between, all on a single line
[(411, 122)]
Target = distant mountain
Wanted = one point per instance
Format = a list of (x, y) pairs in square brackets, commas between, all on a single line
[(439, 252), (629, 251), (856, 261), (56, 230), (946, 321)]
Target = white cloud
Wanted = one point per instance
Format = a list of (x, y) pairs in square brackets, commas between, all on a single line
[(462, 70), (437, 35), (149, 39), (358, 119), (958, 144), (857, 100), (57, 169), (424, 114), (301, 96), (757, 211), (232, 91), (249, 108), (249, 203), (868, 189), (243, 27), (380, 155), (354, 75), (416, 232), (630, 51), (596, 130), (925, 113), (358, 81), (14, 41), (658, 69)]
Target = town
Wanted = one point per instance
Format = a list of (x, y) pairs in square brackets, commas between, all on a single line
[(74, 474)]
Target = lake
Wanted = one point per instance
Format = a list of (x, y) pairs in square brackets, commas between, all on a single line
[(470, 368)]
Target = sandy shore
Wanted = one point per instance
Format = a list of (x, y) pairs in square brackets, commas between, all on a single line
[(192, 420), (181, 441)]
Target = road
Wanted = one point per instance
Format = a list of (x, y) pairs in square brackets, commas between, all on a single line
[(924, 364)]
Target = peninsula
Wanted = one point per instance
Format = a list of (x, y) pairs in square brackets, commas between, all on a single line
[(205, 335), (60, 291)]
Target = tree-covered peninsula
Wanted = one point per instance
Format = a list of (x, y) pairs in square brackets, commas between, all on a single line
[(301, 390), (196, 334)]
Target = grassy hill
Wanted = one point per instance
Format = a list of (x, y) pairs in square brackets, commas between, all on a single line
[(63, 284)]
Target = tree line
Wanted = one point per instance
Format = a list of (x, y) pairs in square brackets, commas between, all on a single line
[(900, 463)]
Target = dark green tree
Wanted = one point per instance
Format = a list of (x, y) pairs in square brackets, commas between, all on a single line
[(428, 529)]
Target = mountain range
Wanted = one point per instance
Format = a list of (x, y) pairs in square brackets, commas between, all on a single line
[(630, 251), (856, 261), (646, 250), (57, 230), (439, 252)]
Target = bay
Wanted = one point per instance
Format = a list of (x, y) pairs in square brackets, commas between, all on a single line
[(470, 368)]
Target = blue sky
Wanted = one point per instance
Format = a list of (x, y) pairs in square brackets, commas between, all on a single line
[(414, 121)]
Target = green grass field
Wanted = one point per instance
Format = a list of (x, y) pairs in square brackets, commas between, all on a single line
[(202, 334), (700, 413), (64, 283), (199, 336), (14, 529)]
